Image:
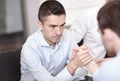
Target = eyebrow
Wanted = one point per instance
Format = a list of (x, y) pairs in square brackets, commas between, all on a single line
[(63, 24), (57, 25)]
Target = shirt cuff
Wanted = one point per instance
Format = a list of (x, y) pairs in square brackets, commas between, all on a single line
[(64, 75), (95, 75)]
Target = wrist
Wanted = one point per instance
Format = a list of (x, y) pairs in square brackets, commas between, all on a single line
[(71, 68), (92, 66)]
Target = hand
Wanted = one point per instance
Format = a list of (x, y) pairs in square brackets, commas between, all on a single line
[(100, 61), (84, 56), (80, 57)]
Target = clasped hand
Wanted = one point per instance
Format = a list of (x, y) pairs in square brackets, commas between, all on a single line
[(81, 56)]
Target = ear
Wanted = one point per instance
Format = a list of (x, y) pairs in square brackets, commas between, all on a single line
[(109, 34), (40, 25)]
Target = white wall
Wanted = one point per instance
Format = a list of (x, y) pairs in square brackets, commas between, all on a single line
[(31, 15), (13, 16)]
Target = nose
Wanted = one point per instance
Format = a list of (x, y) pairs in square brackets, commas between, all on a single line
[(59, 31)]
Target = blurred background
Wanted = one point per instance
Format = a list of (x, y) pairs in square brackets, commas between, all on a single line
[(11, 25), (18, 19)]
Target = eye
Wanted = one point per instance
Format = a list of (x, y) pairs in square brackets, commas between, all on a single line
[(53, 26)]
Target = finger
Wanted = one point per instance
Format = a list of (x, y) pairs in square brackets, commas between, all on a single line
[(100, 60), (83, 52), (84, 58), (83, 47), (87, 60), (78, 48), (74, 53)]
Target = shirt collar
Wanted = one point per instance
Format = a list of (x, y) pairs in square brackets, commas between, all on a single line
[(118, 53), (45, 44)]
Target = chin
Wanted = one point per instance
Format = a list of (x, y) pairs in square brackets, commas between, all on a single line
[(57, 40)]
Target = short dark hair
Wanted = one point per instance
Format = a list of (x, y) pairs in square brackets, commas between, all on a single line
[(50, 7), (109, 16)]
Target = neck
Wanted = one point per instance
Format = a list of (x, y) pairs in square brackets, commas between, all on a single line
[(117, 45), (52, 45)]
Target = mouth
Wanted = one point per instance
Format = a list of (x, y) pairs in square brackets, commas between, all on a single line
[(57, 37)]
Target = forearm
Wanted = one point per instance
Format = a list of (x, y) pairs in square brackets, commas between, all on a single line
[(43, 75), (71, 68), (92, 66)]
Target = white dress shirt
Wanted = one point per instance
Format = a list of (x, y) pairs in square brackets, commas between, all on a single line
[(85, 27), (41, 62), (109, 70)]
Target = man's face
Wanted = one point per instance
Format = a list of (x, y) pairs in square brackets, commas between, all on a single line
[(107, 41), (52, 28)]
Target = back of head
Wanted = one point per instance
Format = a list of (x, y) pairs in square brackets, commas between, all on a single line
[(50, 7), (109, 16)]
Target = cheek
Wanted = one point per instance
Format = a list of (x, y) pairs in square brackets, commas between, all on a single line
[(108, 47), (104, 43), (46, 30)]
